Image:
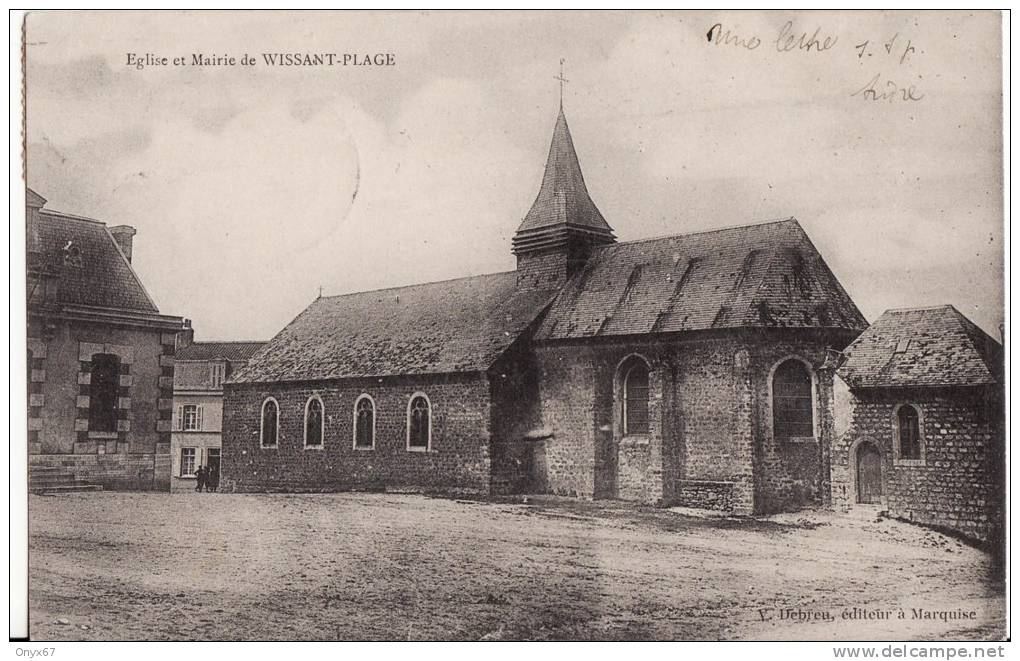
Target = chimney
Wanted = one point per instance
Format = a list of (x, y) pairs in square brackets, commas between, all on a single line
[(124, 236), (33, 203), (186, 336)]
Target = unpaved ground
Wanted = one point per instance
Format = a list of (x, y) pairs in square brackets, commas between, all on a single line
[(386, 566)]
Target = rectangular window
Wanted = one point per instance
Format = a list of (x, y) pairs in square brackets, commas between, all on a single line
[(192, 417), (105, 381), (188, 456)]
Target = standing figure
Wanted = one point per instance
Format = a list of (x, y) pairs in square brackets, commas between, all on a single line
[(200, 475), (212, 481)]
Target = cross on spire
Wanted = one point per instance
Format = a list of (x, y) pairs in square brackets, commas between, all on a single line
[(562, 80)]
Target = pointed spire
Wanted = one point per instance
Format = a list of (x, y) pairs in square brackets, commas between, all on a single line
[(563, 226), (563, 198)]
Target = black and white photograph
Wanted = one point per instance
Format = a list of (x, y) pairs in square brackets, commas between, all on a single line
[(511, 325)]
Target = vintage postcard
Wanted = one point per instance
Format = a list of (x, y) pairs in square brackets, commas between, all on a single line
[(514, 326)]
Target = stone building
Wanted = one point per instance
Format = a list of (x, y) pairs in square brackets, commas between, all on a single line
[(100, 356), (199, 372), (921, 422), (691, 369)]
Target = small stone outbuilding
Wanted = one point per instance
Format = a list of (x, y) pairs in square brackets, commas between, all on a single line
[(920, 422)]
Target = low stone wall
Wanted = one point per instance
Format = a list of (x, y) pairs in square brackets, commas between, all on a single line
[(115, 472), (705, 494)]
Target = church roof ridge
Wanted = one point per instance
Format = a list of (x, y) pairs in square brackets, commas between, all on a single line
[(725, 228), (416, 284), (923, 308)]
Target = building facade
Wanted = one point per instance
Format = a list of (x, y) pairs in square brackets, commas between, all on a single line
[(100, 356), (693, 369), (199, 373), (921, 431)]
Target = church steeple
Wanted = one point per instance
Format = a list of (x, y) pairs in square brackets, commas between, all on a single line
[(563, 225)]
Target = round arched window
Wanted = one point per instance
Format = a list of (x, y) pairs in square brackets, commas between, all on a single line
[(635, 397), (792, 407), (909, 432), (270, 422), (313, 422)]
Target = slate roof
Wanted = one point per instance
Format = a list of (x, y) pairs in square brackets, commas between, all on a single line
[(936, 346), (563, 196), (764, 275), (460, 325), (232, 351), (98, 275)]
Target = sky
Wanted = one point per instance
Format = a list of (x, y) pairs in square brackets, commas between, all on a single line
[(252, 187)]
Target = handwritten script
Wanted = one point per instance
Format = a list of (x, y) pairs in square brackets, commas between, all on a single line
[(894, 51)]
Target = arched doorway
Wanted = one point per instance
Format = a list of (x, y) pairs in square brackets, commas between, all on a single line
[(869, 474)]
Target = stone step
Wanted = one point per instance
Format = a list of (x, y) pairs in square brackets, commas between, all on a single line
[(46, 475), (66, 488), (54, 479), (51, 479)]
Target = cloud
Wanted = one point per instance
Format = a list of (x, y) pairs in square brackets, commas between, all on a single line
[(251, 189)]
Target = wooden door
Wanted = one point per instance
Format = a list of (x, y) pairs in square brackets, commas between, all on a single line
[(869, 474), (212, 465)]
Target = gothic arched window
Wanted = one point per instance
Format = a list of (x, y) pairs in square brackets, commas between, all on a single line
[(270, 425), (909, 428), (635, 397), (314, 422), (104, 383), (364, 422), (792, 402), (419, 423)]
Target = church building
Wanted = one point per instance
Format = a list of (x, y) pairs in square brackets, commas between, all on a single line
[(693, 369)]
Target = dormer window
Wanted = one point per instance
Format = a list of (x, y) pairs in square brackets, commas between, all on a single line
[(217, 372), (72, 255)]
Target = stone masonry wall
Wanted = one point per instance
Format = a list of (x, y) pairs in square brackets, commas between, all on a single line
[(137, 454), (706, 494), (693, 419), (518, 439), (792, 473), (711, 421), (115, 472), (59, 390), (458, 459), (541, 270), (957, 484)]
